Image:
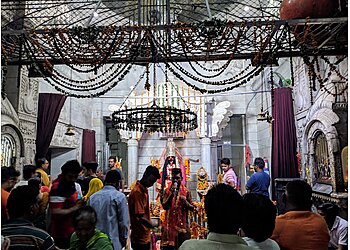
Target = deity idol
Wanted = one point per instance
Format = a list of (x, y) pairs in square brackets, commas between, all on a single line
[(173, 160)]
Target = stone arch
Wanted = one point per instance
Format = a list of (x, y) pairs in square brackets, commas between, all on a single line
[(13, 132), (322, 121)]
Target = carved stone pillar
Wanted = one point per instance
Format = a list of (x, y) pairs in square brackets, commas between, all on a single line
[(27, 113), (205, 155), (132, 160), (214, 160)]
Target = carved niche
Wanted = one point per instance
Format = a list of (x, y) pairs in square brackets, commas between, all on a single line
[(11, 135)]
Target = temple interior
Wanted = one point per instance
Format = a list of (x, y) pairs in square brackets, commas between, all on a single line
[(196, 80)]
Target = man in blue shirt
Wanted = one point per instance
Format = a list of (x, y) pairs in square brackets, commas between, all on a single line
[(112, 210), (259, 182)]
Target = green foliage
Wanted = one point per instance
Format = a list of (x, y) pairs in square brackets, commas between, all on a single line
[(283, 82)]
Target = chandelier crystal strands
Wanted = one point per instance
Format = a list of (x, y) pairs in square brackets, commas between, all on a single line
[(155, 118)]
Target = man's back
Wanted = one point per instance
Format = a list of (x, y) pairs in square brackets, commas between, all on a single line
[(112, 213), (259, 183), (339, 233), (139, 205), (302, 230), (23, 235), (217, 241)]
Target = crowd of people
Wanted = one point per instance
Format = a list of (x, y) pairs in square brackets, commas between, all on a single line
[(82, 209)]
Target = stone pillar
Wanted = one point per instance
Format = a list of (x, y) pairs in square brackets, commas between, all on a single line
[(132, 160), (214, 160), (205, 156)]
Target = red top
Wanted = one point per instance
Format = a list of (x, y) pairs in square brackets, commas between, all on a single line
[(62, 196), (139, 205), (176, 217), (4, 196)]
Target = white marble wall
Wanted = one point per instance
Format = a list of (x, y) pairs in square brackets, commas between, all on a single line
[(89, 113)]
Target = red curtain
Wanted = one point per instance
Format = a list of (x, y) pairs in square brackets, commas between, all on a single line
[(89, 146), (284, 141), (49, 109)]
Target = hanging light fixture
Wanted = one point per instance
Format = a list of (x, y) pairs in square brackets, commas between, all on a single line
[(155, 118), (264, 115), (70, 128)]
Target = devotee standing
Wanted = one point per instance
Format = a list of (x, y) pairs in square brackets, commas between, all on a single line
[(176, 203), (9, 178), (42, 166), (113, 214), (299, 228), (86, 236), (23, 207), (89, 173), (95, 185), (28, 172), (223, 206), (259, 215), (140, 218), (99, 173), (230, 177), (112, 164), (338, 226), (259, 182), (63, 202), (40, 220)]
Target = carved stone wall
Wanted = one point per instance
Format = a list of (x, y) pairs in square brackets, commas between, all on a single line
[(314, 113), (27, 112), (317, 124)]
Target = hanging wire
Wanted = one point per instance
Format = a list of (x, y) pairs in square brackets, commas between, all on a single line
[(174, 88), (138, 82), (262, 89), (290, 53)]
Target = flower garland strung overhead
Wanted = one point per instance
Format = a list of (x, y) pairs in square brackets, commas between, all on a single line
[(103, 56)]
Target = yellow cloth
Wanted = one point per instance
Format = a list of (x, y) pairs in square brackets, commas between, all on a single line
[(44, 177), (94, 186)]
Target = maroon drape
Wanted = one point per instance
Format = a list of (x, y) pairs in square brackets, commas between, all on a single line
[(49, 109), (284, 141), (89, 146)]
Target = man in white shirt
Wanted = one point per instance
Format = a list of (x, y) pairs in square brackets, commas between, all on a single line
[(223, 206), (338, 227)]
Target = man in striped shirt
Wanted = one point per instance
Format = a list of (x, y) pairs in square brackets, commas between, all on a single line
[(22, 207)]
